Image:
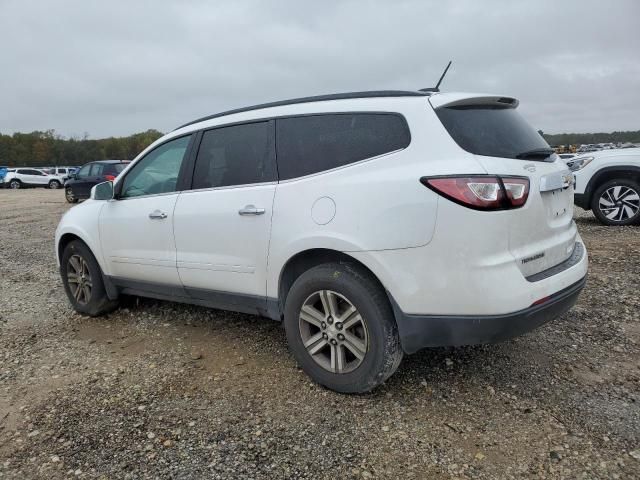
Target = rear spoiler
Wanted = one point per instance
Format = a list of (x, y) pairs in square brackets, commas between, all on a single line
[(464, 100)]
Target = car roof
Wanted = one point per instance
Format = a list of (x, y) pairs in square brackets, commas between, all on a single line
[(316, 98)]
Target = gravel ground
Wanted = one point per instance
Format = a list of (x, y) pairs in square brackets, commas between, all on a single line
[(162, 390)]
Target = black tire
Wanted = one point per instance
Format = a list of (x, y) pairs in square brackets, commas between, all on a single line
[(384, 352), (604, 195), (15, 184), (97, 302), (69, 196), (54, 184)]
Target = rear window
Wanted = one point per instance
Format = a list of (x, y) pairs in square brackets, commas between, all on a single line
[(316, 143), (491, 131), (113, 168)]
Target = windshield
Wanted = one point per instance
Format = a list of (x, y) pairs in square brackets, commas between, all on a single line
[(494, 132)]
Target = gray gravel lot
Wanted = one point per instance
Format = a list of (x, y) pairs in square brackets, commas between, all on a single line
[(162, 390)]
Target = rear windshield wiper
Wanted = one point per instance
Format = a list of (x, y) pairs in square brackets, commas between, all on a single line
[(536, 153)]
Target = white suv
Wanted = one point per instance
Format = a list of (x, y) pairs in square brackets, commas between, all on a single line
[(32, 177), (608, 183), (373, 224)]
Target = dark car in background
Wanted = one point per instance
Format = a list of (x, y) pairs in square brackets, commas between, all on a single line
[(78, 187)]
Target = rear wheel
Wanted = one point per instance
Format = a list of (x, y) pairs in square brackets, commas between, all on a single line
[(54, 184), (617, 202), (15, 184), (82, 280), (341, 329), (68, 194)]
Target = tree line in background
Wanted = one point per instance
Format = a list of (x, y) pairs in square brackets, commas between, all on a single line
[(591, 138), (39, 149)]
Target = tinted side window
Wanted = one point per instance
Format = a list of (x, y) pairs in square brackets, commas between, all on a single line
[(96, 169), (84, 171), (158, 171), (315, 143), (236, 155)]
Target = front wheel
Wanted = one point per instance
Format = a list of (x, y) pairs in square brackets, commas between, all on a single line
[(54, 184), (82, 280), (15, 184), (617, 202), (68, 194), (341, 329)]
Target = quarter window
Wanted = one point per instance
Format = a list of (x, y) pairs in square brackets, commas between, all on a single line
[(158, 171), (235, 155), (315, 143)]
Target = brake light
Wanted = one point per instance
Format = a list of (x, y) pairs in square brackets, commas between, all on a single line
[(109, 178), (481, 192)]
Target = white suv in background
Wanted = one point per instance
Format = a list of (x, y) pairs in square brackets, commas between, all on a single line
[(32, 177), (608, 183), (372, 224)]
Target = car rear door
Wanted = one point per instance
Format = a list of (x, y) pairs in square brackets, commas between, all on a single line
[(223, 224)]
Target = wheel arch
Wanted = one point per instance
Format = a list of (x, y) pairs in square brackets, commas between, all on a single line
[(66, 239), (306, 259), (610, 173)]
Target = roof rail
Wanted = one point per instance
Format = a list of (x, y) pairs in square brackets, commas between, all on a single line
[(317, 98)]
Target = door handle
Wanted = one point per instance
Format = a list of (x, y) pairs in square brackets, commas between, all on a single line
[(157, 215), (251, 210)]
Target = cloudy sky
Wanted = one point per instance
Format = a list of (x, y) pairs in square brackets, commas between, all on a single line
[(118, 67)]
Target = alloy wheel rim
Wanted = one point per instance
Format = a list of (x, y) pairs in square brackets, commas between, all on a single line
[(54, 185), (15, 185), (333, 331), (79, 279), (69, 194), (619, 203)]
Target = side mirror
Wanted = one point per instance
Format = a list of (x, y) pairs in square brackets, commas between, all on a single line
[(102, 191)]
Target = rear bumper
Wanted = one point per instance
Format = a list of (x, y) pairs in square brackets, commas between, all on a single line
[(421, 331)]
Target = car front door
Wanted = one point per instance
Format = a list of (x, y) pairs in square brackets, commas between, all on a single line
[(95, 177), (136, 227), (34, 177), (223, 224), (79, 184)]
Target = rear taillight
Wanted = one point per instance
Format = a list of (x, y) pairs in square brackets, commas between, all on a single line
[(481, 192), (109, 178)]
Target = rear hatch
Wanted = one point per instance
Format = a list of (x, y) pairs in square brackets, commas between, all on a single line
[(542, 233)]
